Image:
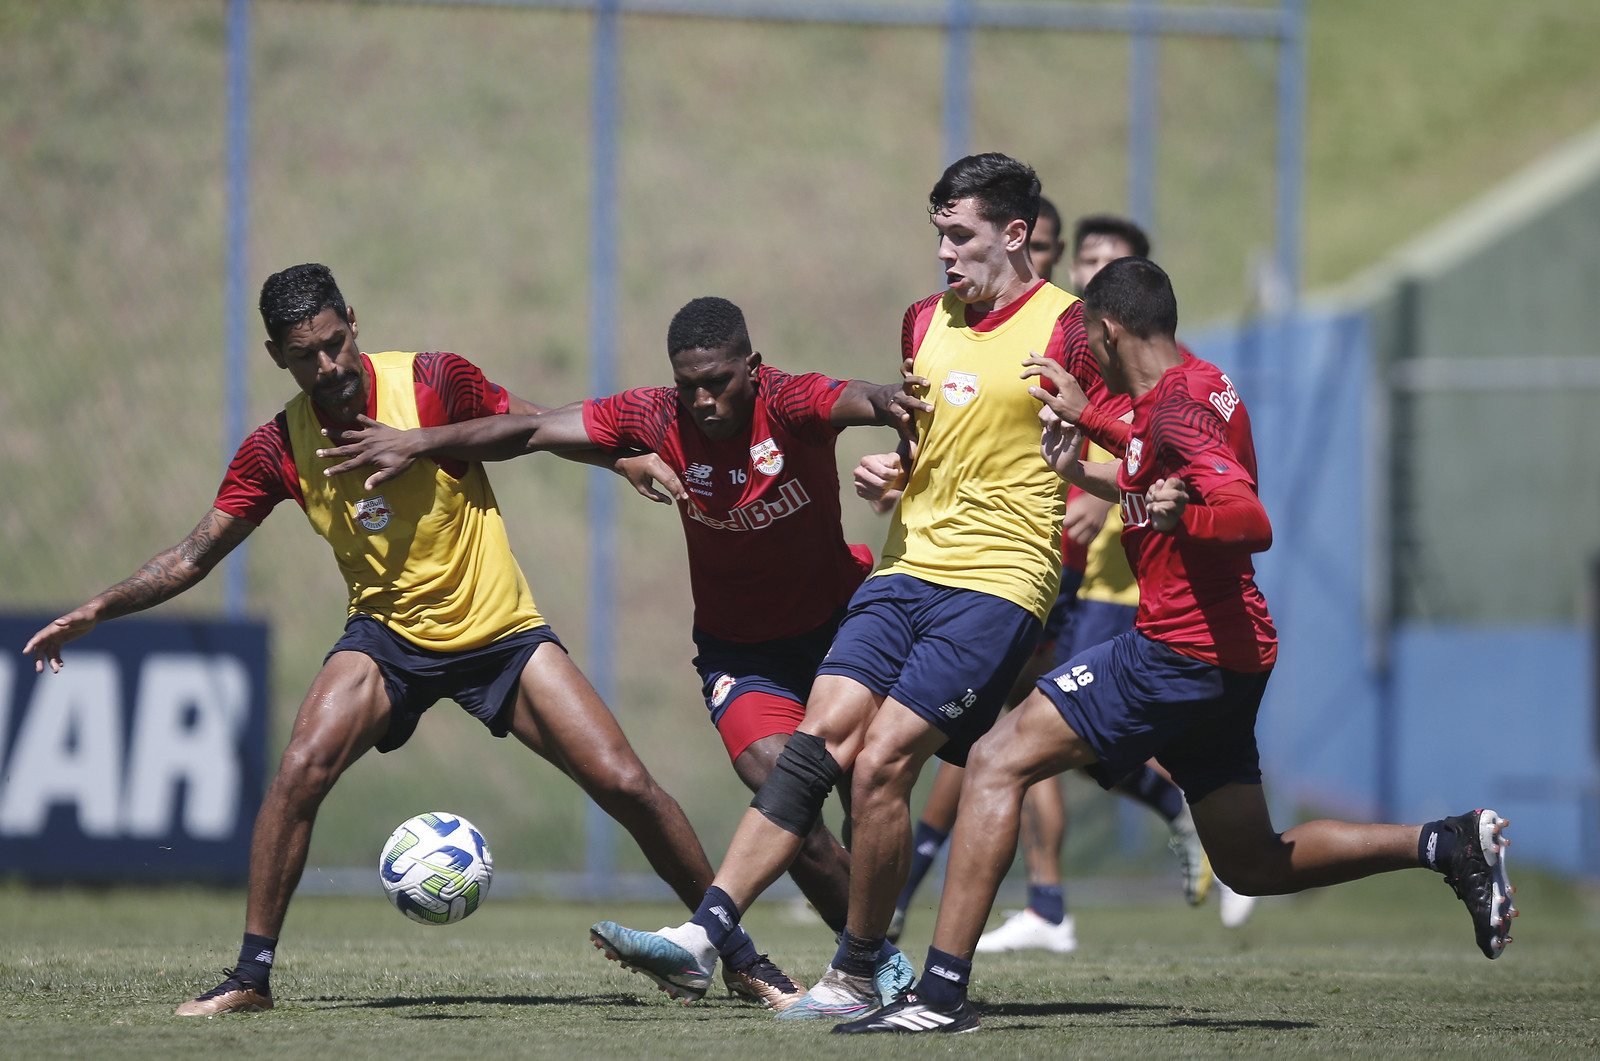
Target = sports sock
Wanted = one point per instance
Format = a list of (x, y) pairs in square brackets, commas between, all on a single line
[(718, 915), (1435, 846), (1156, 792), (857, 955), (1049, 901), (944, 979), (255, 958), (887, 951), (739, 950), (925, 844)]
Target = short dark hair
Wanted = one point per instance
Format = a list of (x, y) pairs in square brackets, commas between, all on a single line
[(1048, 212), (297, 294), (1135, 293), (1003, 188), (1113, 226), (707, 324)]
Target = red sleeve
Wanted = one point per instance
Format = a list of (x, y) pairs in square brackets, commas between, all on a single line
[(1232, 515), (635, 419), (801, 404), (1188, 438), (451, 389), (915, 325), (1105, 427), (261, 474)]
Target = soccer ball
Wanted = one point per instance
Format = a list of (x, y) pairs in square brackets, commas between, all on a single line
[(435, 868)]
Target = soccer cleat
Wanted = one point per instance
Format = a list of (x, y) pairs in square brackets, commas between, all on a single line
[(897, 926), (233, 995), (1185, 843), (1236, 908), (893, 976), (1477, 874), (837, 996), (1026, 930), (765, 983), (680, 960), (911, 1015)]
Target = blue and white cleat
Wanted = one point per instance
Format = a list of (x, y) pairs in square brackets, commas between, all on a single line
[(1478, 877), (894, 977), (837, 996), (911, 1015), (680, 959)]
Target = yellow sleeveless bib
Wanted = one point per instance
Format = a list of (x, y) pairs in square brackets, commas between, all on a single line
[(982, 510), (425, 554)]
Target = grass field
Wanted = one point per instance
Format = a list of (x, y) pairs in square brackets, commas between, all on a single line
[(1381, 967)]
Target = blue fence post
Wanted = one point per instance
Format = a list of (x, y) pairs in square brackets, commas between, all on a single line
[(957, 80), (1143, 98), (236, 282), (599, 849), (1291, 154)]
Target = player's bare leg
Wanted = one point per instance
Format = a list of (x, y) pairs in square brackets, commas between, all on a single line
[(344, 713), (927, 837), (822, 868), (561, 717), (1029, 744), (1256, 860), (838, 713), (898, 743)]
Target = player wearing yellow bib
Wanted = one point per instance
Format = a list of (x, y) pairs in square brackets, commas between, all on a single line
[(438, 609), (932, 642)]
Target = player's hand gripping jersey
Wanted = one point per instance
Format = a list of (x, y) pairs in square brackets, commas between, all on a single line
[(427, 556), (1199, 597), (767, 557), (981, 510)]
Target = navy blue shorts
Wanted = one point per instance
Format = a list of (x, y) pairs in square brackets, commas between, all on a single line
[(782, 667), (1133, 698), (951, 655), (1092, 622), (482, 680)]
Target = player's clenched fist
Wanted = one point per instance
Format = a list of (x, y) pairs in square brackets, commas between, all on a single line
[(1166, 499)]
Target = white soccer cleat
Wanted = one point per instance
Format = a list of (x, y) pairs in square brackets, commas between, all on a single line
[(1192, 860), (1026, 930)]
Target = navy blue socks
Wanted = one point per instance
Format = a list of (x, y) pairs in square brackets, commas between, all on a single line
[(925, 844), (1435, 846), (719, 916), (1049, 901), (255, 958), (944, 979)]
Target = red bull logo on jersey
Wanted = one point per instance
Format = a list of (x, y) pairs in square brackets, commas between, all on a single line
[(373, 513), (790, 498), (1135, 512), (1134, 455), (766, 457), (959, 388), (1226, 400)]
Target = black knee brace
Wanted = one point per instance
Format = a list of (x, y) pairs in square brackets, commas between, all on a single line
[(799, 784)]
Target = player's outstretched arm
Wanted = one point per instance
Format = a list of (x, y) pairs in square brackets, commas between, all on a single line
[(863, 404), (165, 576)]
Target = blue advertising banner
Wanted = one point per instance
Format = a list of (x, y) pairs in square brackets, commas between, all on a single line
[(143, 760)]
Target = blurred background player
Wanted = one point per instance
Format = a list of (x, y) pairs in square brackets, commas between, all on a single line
[(439, 609), (1185, 684), (770, 572), (1099, 599)]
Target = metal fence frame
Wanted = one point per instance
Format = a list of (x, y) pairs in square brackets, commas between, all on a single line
[(1144, 22)]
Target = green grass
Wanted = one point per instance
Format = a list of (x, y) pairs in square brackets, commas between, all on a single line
[(1379, 967)]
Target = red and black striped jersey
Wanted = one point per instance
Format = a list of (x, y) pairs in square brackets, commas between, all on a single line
[(767, 555), (449, 389), (1197, 597)]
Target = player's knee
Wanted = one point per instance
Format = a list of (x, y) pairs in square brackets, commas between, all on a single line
[(880, 773), (799, 784), (305, 773), (624, 782)]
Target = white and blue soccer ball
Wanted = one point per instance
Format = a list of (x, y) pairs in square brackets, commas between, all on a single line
[(436, 868)]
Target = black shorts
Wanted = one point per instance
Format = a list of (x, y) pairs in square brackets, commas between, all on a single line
[(482, 680)]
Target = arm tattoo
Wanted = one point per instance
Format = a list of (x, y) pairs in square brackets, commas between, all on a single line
[(169, 573)]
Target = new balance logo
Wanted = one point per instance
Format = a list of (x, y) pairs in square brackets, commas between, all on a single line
[(722, 915), (265, 957), (941, 971), (918, 1020), (1069, 681), (957, 707), (1433, 850)]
